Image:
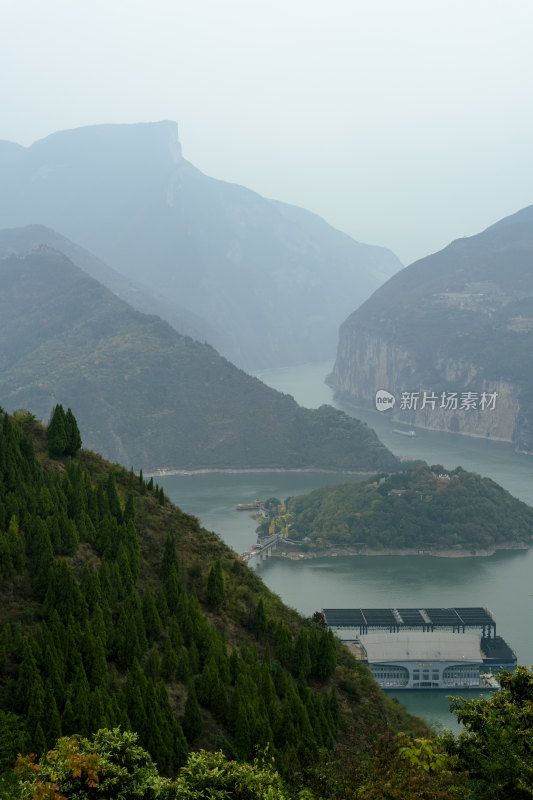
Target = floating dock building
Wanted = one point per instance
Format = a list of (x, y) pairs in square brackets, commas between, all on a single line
[(413, 648)]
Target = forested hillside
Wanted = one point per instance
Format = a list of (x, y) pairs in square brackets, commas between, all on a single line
[(423, 508), (117, 609), (146, 396)]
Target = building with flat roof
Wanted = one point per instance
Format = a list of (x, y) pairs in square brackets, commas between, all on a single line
[(425, 648), (425, 660)]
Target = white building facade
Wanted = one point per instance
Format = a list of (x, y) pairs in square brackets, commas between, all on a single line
[(428, 660)]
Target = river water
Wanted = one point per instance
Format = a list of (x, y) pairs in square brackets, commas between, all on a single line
[(502, 583)]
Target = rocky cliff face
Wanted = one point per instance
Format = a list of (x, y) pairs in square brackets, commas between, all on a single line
[(461, 400), (450, 337)]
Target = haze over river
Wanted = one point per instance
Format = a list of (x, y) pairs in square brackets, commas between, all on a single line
[(502, 583)]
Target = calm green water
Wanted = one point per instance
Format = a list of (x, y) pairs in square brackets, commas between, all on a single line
[(495, 460), (502, 583)]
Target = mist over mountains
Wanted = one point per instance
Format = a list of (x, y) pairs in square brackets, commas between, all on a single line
[(22, 240), (265, 283)]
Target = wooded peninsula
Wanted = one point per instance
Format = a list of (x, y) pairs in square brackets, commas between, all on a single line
[(424, 508)]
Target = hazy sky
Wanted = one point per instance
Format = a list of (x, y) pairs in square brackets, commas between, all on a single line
[(404, 123)]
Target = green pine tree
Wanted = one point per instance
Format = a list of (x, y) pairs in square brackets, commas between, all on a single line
[(283, 642), (39, 740), (96, 712), (72, 434), (51, 721), (301, 660), (152, 620), (80, 700), (170, 557), (192, 721), (162, 606), (68, 721), (57, 433), (215, 587), (184, 669), (242, 742), (129, 509), (259, 620), (327, 655), (11, 742), (112, 497), (169, 662), (152, 666)]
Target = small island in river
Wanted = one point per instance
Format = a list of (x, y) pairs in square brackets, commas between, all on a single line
[(422, 511)]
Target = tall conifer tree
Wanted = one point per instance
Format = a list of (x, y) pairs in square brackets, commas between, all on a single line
[(215, 587), (72, 433), (259, 620), (57, 433), (192, 722)]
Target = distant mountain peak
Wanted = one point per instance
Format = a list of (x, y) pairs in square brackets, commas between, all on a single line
[(153, 130), (125, 141), (272, 282)]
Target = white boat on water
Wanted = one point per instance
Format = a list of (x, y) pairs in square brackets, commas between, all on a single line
[(405, 433)]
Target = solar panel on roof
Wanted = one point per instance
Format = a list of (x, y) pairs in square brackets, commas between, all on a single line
[(443, 616), (475, 616), (379, 616), (411, 616), (407, 617), (347, 617)]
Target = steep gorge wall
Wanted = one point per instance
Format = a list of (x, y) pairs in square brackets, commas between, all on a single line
[(367, 361), (458, 321)]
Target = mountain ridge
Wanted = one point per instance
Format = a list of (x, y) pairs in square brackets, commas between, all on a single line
[(273, 288), (144, 394), (21, 240)]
